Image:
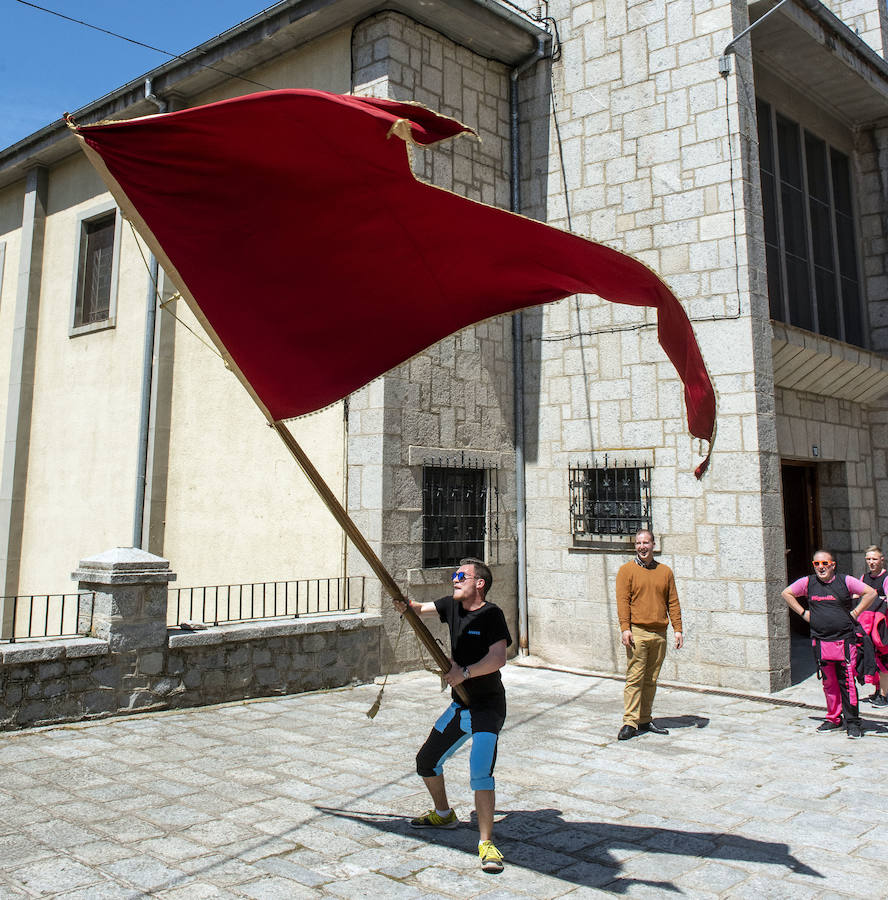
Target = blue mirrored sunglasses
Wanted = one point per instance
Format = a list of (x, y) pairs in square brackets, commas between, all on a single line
[(460, 577)]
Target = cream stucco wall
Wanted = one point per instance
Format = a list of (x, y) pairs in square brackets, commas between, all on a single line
[(238, 508), (323, 65), (81, 467), (234, 507)]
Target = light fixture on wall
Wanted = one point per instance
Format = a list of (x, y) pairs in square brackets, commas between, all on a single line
[(815, 450)]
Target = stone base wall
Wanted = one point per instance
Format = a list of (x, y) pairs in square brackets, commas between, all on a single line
[(48, 682)]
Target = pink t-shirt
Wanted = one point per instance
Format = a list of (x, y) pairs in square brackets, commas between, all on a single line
[(800, 588), (831, 618)]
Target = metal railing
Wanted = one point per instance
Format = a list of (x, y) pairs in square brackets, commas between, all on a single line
[(219, 604), (35, 616)]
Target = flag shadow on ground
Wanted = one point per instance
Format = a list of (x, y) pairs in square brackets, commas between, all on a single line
[(586, 853)]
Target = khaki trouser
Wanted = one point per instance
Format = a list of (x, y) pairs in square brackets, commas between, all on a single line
[(642, 670)]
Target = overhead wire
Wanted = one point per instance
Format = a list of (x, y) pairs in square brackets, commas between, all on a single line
[(164, 304), (559, 142), (615, 329), (137, 43)]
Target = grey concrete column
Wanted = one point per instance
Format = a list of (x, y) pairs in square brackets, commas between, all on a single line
[(21, 385), (130, 588)]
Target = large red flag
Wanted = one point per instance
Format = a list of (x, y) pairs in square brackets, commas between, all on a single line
[(293, 225)]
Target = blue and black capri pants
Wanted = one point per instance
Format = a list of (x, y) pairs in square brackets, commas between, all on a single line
[(481, 723)]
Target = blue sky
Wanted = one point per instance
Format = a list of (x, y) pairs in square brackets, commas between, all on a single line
[(49, 66)]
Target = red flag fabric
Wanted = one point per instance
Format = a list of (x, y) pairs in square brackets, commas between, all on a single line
[(292, 223)]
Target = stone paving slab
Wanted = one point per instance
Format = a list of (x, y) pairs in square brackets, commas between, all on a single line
[(303, 796)]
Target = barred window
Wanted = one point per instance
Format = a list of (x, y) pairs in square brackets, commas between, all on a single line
[(609, 499), (457, 502)]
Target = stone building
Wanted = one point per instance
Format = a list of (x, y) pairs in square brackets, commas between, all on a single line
[(744, 164)]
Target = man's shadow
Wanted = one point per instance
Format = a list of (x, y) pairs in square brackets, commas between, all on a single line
[(676, 722), (870, 726), (586, 853), (867, 726)]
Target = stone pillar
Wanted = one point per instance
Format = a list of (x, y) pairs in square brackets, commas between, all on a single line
[(130, 585), (130, 612)]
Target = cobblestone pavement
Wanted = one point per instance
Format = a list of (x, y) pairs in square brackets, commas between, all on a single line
[(304, 796)]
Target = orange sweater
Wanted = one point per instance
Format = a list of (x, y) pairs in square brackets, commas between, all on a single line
[(647, 597)]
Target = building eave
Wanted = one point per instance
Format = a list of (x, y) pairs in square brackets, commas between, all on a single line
[(804, 361), (487, 27), (809, 47)]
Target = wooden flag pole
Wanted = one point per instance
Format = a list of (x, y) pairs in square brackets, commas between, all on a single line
[(344, 519)]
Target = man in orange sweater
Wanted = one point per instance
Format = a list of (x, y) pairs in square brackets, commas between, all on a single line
[(647, 602)]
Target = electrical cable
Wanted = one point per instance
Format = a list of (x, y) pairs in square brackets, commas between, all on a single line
[(641, 325), (556, 55), (163, 303), (130, 40)]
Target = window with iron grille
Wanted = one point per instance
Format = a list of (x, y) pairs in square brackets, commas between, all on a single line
[(810, 241), (609, 499), (457, 503), (95, 287)]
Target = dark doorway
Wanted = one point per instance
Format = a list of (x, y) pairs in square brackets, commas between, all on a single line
[(801, 520)]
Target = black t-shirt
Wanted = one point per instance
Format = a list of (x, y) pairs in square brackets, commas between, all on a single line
[(830, 604), (877, 582), (472, 634)]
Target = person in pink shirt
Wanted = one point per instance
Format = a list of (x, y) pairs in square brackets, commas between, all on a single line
[(832, 614), (875, 576)]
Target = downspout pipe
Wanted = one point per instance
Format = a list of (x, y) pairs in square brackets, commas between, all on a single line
[(147, 373), (724, 61), (543, 42)]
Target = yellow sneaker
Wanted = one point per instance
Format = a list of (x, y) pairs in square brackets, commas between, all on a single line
[(491, 858), (432, 820)]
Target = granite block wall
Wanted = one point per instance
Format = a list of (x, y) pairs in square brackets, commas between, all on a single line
[(454, 401)]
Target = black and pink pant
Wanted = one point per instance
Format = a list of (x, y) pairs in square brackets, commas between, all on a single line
[(840, 689)]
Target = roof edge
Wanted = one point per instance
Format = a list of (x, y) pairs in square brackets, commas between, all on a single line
[(307, 20)]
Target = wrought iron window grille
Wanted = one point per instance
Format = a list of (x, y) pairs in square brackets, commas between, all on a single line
[(460, 511), (609, 499)]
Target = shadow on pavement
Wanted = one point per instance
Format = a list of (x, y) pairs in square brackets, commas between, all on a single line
[(868, 726), (585, 853), (688, 721), (801, 659)]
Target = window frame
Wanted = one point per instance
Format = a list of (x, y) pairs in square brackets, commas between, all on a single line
[(779, 280), (489, 476), (93, 214), (582, 509)]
